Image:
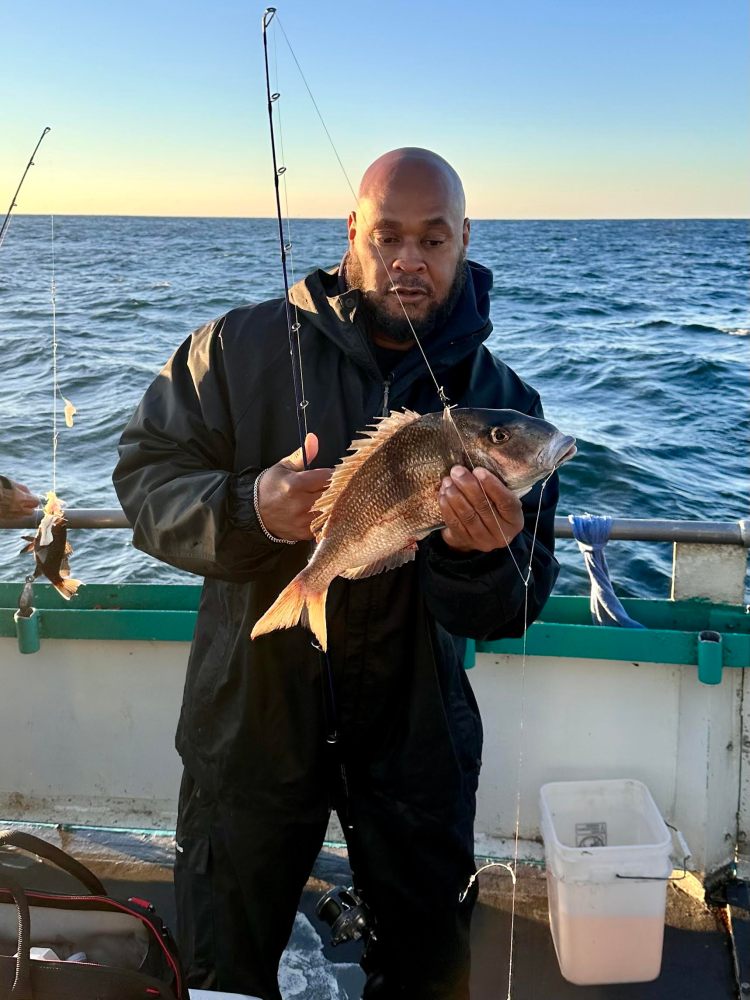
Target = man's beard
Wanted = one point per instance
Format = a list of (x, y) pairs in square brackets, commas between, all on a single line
[(399, 328)]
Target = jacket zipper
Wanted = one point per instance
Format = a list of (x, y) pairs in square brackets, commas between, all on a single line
[(384, 411)]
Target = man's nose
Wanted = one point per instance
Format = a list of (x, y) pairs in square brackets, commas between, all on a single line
[(410, 260)]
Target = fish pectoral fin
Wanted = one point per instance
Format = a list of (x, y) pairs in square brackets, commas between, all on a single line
[(392, 561), (29, 547)]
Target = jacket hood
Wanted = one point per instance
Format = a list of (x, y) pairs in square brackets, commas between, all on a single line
[(320, 299)]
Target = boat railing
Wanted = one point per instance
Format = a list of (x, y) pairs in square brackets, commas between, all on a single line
[(709, 558), (623, 529)]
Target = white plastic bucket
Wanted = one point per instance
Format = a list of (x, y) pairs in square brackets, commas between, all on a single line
[(607, 852)]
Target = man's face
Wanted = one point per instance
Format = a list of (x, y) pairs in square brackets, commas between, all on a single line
[(407, 246)]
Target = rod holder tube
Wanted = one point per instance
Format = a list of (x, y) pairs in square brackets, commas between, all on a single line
[(709, 657), (470, 654), (27, 631)]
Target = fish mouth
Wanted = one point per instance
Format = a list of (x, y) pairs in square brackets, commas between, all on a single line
[(557, 452), (566, 449)]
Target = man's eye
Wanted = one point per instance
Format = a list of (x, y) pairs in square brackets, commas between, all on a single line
[(434, 243)]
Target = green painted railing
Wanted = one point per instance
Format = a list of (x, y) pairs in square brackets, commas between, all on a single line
[(166, 613), (671, 635), (157, 612)]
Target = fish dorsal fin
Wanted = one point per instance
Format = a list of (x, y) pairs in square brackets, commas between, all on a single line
[(392, 561), (359, 451)]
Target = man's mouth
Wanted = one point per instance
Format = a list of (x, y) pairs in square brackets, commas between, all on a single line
[(409, 294)]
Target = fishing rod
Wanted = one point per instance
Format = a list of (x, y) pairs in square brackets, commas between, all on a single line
[(342, 908), (6, 221), (293, 328)]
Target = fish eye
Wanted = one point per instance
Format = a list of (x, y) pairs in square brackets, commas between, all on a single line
[(498, 435)]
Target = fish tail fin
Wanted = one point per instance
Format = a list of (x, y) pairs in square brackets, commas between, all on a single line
[(296, 604), (316, 616), (67, 587)]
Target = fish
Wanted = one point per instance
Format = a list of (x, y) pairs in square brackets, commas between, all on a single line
[(51, 549), (383, 496)]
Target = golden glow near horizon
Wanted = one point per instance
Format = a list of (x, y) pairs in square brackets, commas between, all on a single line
[(166, 189)]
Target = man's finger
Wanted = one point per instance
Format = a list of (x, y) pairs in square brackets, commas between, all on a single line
[(314, 480), (482, 487), (496, 504), (471, 500), (464, 522), (294, 462), (495, 489), (504, 502)]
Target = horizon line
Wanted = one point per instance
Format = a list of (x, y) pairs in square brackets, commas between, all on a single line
[(337, 218)]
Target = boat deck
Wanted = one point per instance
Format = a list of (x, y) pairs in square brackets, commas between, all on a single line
[(698, 961)]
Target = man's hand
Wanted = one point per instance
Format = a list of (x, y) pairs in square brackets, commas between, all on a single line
[(287, 494), (480, 513), (16, 500)]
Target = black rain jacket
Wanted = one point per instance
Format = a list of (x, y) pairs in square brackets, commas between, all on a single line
[(252, 725)]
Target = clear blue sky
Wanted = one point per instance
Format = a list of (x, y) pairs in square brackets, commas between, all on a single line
[(548, 108)]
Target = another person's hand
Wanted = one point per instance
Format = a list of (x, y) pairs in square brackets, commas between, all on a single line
[(16, 500), (479, 512), (287, 494)]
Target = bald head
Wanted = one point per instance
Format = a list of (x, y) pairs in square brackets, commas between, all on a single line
[(409, 168), (407, 244)]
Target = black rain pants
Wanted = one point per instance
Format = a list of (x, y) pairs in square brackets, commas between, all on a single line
[(239, 878), (410, 737)]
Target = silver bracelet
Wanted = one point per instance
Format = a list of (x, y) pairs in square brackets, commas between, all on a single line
[(263, 528)]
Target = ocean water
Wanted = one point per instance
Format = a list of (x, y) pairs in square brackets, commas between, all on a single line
[(636, 334)]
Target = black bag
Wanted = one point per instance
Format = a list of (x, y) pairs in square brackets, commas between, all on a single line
[(130, 954)]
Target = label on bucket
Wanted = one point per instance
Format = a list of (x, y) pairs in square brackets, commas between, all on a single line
[(591, 834)]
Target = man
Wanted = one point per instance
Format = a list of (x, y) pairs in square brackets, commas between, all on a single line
[(258, 785)]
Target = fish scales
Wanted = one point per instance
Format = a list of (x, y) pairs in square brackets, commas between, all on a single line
[(383, 496), (390, 500)]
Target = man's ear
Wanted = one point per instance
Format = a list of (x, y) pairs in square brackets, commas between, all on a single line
[(466, 232), (352, 226)]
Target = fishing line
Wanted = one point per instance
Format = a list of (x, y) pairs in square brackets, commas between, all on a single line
[(447, 413), (55, 390), (521, 730), (70, 409), (440, 391), (478, 872), (513, 869)]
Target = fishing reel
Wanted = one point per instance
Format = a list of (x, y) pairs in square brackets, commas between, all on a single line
[(346, 914)]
